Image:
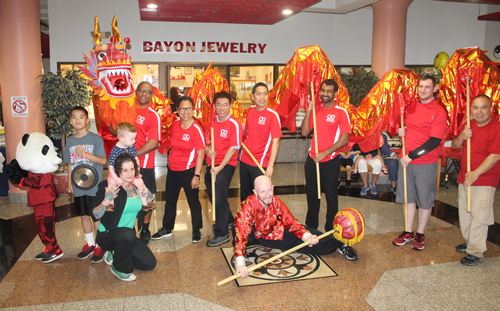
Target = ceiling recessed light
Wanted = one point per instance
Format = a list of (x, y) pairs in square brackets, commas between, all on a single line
[(152, 6), (287, 12)]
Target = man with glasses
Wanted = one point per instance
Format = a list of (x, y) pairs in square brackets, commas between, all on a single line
[(227, 141), (148, 136), (333, 129)]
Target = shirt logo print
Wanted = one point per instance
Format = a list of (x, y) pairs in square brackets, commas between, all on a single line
[(140, 120), (223, 133), (262, 120), (185, 137), (330, 118)]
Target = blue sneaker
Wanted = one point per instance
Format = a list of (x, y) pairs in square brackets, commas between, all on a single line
[(374, 189), (364, 190)]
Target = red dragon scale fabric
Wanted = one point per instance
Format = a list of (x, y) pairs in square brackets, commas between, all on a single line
[(205, 85), (109, 71), (484, 79)]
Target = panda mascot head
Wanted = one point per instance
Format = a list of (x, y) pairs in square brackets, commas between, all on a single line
[(36, 153)]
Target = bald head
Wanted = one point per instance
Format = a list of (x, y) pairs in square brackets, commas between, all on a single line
[(263, 188)]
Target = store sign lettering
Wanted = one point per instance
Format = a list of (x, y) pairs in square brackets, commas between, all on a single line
[(204, 47)]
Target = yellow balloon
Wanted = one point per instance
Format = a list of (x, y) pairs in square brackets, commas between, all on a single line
[(441, 60)]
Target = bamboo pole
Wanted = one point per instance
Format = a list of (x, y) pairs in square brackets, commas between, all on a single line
[(315, 140), (253, 158), (467, 80), (265, 262), (405, 187), (213, 177)]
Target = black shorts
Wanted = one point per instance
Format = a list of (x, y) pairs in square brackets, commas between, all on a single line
[(148, 176), (346, 162), (83, 205)]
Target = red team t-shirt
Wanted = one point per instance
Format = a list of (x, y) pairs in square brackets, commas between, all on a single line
[(484, 141), (424, 121), (227, 134), (330, 123), (262, 126), (184, 144), (148, 127)]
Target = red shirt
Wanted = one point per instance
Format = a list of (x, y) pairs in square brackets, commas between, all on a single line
[(268, 224), (331, 124), (422, 122), (148, 127), (227, 135), (184, 144), (484, 141), (262, 127)]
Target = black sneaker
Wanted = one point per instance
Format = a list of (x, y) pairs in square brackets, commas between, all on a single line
[(40, 256), (162, 233), (461, 248), (349, 252), (348, 184), (98, 255), (86, 252), (145, 236), (218, 240), (196, 237), (471, 260), (51, 257)]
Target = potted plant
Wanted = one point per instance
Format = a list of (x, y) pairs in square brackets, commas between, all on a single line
[(62, 92), (359, 83)]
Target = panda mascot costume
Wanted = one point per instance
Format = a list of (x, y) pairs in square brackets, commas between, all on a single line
[(36, 159)]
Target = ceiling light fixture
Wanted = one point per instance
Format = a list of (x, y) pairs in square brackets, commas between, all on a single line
[(287, 12), (152, 6)]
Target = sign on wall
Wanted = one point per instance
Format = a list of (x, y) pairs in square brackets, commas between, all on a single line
[(19, 106), (203, 47)]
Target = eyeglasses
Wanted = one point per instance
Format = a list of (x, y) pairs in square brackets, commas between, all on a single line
[(185, 109), (145, 91)]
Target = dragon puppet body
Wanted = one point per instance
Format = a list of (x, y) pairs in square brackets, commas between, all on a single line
[(110, 75)]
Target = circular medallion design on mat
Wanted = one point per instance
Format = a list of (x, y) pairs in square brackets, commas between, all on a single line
[(290, 267)]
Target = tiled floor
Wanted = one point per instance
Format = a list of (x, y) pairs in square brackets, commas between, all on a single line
[(385, 277)]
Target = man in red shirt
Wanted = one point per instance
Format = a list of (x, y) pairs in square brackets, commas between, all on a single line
[(484, 134), (333, 129), (148, 135), (425, 124), (265, 220), (227, 141), (263, 140)]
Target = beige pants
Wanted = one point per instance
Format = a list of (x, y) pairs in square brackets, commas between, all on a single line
[(474, 225)]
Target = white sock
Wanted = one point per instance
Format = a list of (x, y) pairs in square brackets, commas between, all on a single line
[(90, 238)]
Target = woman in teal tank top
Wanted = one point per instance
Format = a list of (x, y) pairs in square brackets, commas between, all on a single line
[(117, 208)]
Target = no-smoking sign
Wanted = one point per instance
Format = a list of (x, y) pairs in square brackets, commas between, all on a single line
[(19, 106)]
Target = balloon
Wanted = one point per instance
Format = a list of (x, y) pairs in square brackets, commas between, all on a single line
[(441, 60)]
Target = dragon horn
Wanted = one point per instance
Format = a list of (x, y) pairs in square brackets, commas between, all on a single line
[(116, 33), (97, 32)]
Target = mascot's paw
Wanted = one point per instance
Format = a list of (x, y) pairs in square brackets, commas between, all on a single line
[(15, 173)]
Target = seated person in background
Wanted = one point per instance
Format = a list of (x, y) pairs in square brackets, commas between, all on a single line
[(117, 208), (265, 220), (373, 159), (391, 159), (347, 161)]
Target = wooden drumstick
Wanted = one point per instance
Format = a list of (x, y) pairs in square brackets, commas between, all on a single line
[(213, 177), (265, 262), (253, 158), (404, 177), (467, 80)]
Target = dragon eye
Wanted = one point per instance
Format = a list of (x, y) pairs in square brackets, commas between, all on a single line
[(101, 56)]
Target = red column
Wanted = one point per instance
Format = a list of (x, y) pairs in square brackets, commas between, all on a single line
[(389, 35), (20, 66)]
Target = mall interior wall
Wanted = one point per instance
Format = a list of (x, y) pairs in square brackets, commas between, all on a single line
[(433, 26)]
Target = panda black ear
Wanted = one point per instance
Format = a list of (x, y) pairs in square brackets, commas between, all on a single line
[(45, 149), (25, 139)]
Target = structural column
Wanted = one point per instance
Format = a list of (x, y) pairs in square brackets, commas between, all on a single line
[(20, 68), (389, 35)]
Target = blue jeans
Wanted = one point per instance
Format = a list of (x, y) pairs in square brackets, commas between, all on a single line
[(393, 167)]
